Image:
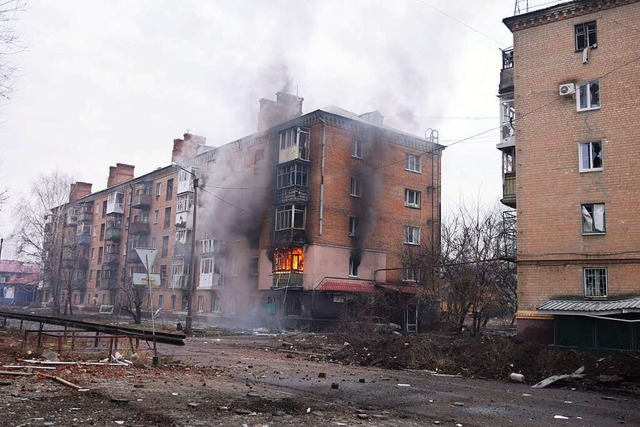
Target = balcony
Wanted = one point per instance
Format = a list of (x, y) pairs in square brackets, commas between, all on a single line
[(290, 236), (179, 281), (115, 203), (182, 250), (85, 217), (508, 238), (141, 201), (112, 258), (113, 234), (291, 279), (509, 190), (108, 283), (139, 227), (83, 239), (211, 281), (295, 194), (506, 74), (184, 220), (75, 263)]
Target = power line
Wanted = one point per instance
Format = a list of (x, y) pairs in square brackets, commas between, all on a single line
[(462, 23), (229, 203)]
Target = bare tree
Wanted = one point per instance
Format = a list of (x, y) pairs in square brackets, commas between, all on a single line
[(9, 9), (130, 299), (465, 270), (39, 234)]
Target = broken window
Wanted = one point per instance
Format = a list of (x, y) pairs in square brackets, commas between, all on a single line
[(593, 218), (353, 267), (410, 274), (508, 115), (412, 163), (586, 35), (507, 160), (411, 235), (588, 96), (356, 188), (356, 149), (412, 198), (354, 223), (590, 156), (296, 137), (290, 216), (286, 260), (595, 282)]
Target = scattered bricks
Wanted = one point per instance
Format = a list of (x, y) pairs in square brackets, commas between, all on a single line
[(458, 404), (138, 386), (322, 375), (193, 404), (253, 394), (242, 412), (362, 416), (335, 386)]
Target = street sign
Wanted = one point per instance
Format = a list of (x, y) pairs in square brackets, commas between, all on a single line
[(140, 279), (147, 256)]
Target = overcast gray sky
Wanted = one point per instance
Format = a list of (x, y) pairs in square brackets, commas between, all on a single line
[(113, 81)]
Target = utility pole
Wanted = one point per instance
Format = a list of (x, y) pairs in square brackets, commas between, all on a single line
[(188, 329)]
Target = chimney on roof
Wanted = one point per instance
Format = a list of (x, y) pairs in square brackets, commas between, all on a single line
[(187, 147), (119, 173), (79, 190), (285, 107), (373, 117)]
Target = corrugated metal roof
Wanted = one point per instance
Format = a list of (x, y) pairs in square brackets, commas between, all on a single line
[(594, 307), (345, 286)]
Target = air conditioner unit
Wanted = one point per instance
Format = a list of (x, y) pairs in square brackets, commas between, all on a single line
[(567, 89)]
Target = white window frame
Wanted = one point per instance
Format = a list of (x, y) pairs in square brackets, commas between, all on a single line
[(353, 270), (356, 149), (583, 91), (355, 188), (413, 163), (206, 265), (411, 235), (286, 217), (593, 218), (215, 304), (158, 189), (595, 283), (412, 198), (184, 203), (587, 154), (410, 274), (354, 224)]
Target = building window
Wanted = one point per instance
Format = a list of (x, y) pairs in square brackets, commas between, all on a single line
[(169, 194), (200, 303), (153, 243), (411, 198), (173, 302), (160, 301), (588, 96), (298, 137), (591, 156), (593, 218), (411, 235), (286, 260), (586, 35), (100, 251), (158, 189), (102, 227), (167, 217), (184, 203), (410, 274), (206, 266), (104, 209), (412, 163), (353, 267), (290, 216), (356, 188), (354, 222), (165, 246), (163, 275), (215, 304), (356, 149), (595, 282), (253, 266)]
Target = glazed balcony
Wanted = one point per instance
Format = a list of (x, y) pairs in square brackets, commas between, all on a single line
[(509, 189), (290, 236), (291, 279), (139, 227), (85, 217), (182, 250), (113, 234), (112, 258), (506, 73), (141, 201)]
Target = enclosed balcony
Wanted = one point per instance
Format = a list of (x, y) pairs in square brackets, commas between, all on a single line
[(294, 194), (115, 203), (184, 220), (182, 250), (112, 258), (509, 190), (508, 238), (141, 201), (113, 234), (179, 281), (83, 239), (139, 227), (290, 236), (506, 73)]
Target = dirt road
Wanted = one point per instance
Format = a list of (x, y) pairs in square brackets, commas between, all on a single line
[(265, 380)]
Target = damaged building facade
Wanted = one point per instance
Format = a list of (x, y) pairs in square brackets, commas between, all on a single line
[(570, 106), (292, 222)]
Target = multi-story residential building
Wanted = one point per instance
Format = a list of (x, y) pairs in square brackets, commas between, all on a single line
[(292, 222), (570, 103)]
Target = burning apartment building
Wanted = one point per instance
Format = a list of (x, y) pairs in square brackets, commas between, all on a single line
[(290, 224)]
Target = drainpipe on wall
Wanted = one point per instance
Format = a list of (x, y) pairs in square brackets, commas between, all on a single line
[(322, 176)]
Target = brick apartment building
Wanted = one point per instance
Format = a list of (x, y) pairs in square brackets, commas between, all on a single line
[(292, 222), (570, 104)]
